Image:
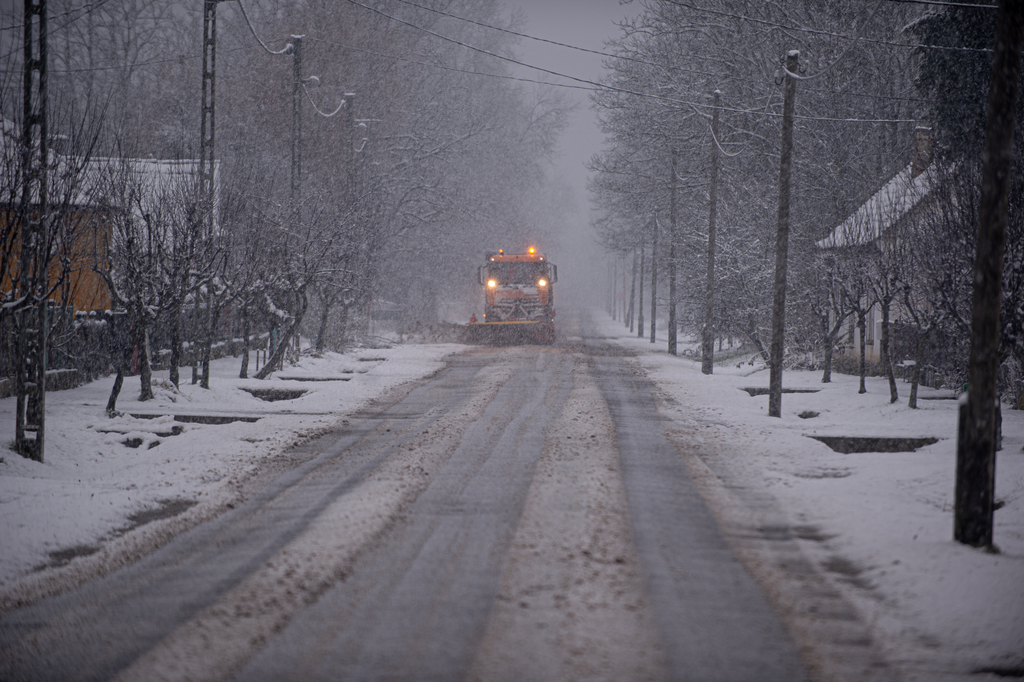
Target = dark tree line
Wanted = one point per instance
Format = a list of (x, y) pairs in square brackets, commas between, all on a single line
[(887, 147), (433, 159)]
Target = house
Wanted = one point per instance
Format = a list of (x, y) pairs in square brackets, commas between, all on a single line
[(85, 195), (873, 227)]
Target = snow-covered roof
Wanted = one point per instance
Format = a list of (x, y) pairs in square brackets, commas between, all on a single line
[(884, 209), (154, 179), (94, 182)]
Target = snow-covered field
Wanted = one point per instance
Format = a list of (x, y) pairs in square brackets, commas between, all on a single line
[(879, 523), (882, 522)]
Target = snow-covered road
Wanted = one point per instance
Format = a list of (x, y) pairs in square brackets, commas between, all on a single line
[(587, 511), (385, 556)]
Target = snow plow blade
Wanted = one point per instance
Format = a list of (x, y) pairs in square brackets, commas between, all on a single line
[(509, 333)]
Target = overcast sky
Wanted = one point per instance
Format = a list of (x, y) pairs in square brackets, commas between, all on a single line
[(585, 23)]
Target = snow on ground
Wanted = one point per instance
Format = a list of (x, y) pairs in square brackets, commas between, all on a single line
[(882, 521), (102, 476), (933, 604)]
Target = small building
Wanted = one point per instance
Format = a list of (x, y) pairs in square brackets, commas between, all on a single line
[(874, 226), (84, 197)]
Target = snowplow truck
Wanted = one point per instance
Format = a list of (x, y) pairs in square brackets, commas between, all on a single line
[(519, 299)]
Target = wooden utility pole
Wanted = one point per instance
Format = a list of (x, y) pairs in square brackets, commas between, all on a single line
[(640, 297), (782, 239), (33, 220), (625, 321), (654, 279), (672, 258), (297, 83), (976, 444), (350, 129), (707, 352), (632, 293), (206, 180), (207, 127)]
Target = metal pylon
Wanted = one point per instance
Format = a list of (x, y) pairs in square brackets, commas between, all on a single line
[(32, 222)]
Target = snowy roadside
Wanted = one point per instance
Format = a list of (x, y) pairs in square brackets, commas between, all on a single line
[(113, 489), (880, 524)]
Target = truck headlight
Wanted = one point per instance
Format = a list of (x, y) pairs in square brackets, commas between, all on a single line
[(542, 282)]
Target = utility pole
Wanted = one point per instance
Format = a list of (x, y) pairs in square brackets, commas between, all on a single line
[(782, 239), (625, 321), (350, 129), (654, 278), (206, 169), (296, 197), (640, 298), (207, 128), (615, 288), (633, 291), (707, 352), (33, 221), (672, 258), (976, 442)]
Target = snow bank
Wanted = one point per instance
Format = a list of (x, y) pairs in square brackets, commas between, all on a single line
[(105, 476), (883, 522)]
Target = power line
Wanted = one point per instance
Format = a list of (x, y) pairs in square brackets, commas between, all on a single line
[(86, 9), (473, 47), (623, 57), (287, 49), (518, 34), (940, 3), (798, 29), (434, 65), (148, 63), (316, 108), (591, 86)]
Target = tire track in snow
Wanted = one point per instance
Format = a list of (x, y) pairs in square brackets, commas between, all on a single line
[(572, 603)]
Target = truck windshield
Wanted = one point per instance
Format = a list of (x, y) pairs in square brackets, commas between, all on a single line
[(518, 273)]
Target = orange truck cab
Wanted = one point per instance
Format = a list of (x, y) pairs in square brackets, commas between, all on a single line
[(519, 290)]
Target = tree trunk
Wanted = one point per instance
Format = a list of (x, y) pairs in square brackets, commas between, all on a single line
[(755, 338), (829, 335), (707, 351), (115, 392), (175, 359), (325, 312), (915, 380), (976, 447), (1019, 389), (194, 346), (122, 353), (243, 373), (633, 292), (673, 330), (214, 319), (654, 282), (885, 355), (282, 345), (862, 326), (640, 297), (826, 375), (145, 371)]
